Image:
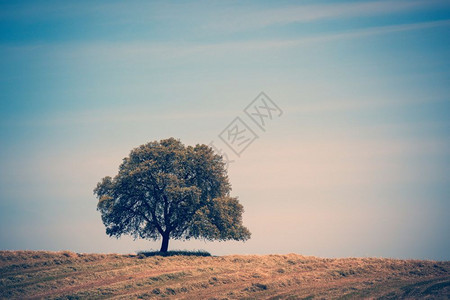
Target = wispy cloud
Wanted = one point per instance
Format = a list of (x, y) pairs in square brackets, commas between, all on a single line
[(122, 116), (231, 18), (142, 51), (316, 12)]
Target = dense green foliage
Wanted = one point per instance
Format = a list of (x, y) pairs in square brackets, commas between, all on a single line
[(165, 189)]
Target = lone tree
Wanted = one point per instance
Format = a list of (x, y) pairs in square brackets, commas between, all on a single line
[(165, 189)]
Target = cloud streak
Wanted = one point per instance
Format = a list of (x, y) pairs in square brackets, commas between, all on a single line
[(318, 12), (141, 51)]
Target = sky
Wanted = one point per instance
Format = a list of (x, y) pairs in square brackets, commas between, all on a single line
[(357, 163)]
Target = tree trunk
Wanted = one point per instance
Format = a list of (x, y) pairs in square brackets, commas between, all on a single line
[(165, 242)]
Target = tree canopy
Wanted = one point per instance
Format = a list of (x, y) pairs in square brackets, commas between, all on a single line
[(165, 189)]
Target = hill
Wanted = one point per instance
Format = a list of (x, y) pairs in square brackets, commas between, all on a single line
[(68, 275)]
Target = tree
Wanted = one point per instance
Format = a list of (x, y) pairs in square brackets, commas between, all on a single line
[(165, 189)]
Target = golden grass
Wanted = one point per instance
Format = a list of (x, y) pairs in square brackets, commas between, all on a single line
[(68, 275)]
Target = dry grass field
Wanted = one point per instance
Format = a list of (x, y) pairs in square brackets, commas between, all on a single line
[(67, 275)]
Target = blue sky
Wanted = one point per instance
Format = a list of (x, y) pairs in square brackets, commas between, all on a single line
[(357, 165)]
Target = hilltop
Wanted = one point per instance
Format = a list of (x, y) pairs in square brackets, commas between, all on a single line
[(68, 275)]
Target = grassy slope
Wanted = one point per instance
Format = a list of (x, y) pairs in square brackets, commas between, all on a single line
[(67, 275)]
